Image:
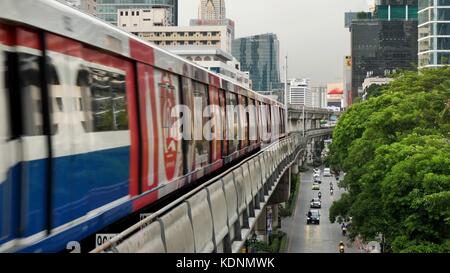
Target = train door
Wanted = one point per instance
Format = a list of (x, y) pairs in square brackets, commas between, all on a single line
[(149, 159), (170, 168), (65, 96), (28, 96), (258, 121), (223, 114), (216, 126), (233, 128), (252, 123), (9, 161), (243, 122)]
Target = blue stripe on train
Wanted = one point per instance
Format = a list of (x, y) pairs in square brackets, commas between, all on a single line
[(58, 242), (10, 205), (82, 183)]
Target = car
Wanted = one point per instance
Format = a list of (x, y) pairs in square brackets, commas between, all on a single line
[(326, 172), (316, 172), (316, 186), (313, 217), (316, 203), (317, 180)]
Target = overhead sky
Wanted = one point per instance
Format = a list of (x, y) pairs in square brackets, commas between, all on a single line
[(311, 32)]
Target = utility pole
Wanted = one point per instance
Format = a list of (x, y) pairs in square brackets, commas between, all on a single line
[(286, 102), (303, 114)]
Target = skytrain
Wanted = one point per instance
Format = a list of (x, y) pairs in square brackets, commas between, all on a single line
[(87, 133)]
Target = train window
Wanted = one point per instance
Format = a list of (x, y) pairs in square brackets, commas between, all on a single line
[(30, 87), (104, 100)]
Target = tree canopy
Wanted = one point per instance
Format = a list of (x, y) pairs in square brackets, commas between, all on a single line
[(395, 150)]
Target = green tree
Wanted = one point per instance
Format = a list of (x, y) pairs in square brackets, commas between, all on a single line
[(395, 149)]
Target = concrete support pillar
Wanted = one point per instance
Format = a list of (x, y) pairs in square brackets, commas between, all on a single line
[(261, 227), (283, 190), (294, 168), (310, 153), (275, 216)]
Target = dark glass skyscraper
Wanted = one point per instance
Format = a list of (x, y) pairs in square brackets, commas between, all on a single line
[(107, 9), (384, 44), (260, 56)]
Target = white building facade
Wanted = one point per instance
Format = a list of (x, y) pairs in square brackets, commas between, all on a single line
[(215, 60), (216, 37), (137, 20), (300, 92)]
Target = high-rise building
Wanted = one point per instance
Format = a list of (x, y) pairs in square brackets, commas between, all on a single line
[(347, 81), (434, 33), (107, 9), (384, 44), (259, 55), (319, 96), (300, 92), (212, 10)]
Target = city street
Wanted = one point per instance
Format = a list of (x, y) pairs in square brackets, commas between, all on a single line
[(323, 238)]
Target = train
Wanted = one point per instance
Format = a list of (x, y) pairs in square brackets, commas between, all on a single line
[(87, 133)]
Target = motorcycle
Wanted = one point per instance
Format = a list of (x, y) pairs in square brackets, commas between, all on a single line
[(344, 231), (341, 249), (331, 191), (319, 195)]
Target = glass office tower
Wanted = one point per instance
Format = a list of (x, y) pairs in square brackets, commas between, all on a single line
[(259, 55), (107, 9), (384, 44), (434, 33)]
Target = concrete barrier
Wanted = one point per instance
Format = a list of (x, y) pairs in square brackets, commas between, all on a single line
[(231, 197), (202, 222), (253, 177), (240, 189), (219, 213), (177, 228), (247, 183), (148, 240)]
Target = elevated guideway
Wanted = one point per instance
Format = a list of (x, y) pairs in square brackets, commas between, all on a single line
[(222, 213)]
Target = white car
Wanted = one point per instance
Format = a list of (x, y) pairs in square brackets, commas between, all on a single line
[(316, 172), (326, 172)]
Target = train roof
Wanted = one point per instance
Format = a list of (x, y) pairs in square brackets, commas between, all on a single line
[(83, 27)]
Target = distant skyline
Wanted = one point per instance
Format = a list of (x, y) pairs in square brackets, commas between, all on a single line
[(311, 32)]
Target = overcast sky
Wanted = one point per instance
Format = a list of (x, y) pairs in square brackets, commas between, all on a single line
[(311, 32)]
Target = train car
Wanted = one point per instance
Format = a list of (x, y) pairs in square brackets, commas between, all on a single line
[(87, 133)]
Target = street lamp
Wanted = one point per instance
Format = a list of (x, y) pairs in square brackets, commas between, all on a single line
[(286, 103)]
